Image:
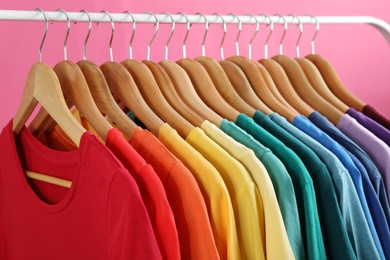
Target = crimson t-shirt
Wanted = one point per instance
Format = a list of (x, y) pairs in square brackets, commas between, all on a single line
[(101, 216)]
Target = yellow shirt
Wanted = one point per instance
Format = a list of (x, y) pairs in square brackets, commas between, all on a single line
[(213, 189), (242, 190), (272, 226)]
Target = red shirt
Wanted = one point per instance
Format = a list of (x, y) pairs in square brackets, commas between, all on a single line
[(152, 192), (149, 184), (101, 216), (184, 196)]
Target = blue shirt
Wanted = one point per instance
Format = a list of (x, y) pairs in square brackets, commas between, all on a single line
[(336, 240), (351, 208), (356, 175)]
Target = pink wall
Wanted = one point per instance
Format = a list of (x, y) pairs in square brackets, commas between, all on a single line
[(359, 53)]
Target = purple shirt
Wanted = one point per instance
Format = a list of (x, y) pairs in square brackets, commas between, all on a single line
[(372, 113), (378, 151), (375, 128)]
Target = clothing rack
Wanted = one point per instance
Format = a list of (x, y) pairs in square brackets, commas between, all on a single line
[(57, 16)]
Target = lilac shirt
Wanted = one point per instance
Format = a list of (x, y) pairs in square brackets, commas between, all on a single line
[(378, 151), (375, 128)]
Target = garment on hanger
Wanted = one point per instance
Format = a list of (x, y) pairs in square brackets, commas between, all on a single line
[(374, 114), (213, 188), (375, 128), (378, 151), (241, 187), (350, 206), (281, 182), (303, 185), (99, 185), (273, 231), (352, 149), (327, 204), (150, 186), (339, 150)]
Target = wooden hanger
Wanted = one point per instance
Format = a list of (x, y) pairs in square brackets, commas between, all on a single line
[(150, 91), (220, 82), (42, 86), (103, 98), (305, 90), (284, 86), (302, 85), (76, 90), (272, 87), (123, 87), (314, 76), (100, 91), (334, 83), (206, 89), (260, 87), (243, 87), (168, 90), (186, 91)]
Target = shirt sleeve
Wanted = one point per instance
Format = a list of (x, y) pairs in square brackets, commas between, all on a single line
[(129, 232)]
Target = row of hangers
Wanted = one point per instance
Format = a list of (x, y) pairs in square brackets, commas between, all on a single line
[(182, 93)]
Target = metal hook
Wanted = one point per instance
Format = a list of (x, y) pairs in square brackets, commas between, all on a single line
[(254, 35), (170, 36), (44, 33), (187, 32), (89, 32), (154, 34), (205, 34), (239, 26), (284, 33), (271, 29), (112, 33), (315, 34), (67, 31), (224, 34), (300, 32), (132, 34)]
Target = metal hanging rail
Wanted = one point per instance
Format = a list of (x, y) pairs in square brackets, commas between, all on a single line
[(15, 15)]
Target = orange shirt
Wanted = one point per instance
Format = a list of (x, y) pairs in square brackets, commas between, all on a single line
[(192, 222)]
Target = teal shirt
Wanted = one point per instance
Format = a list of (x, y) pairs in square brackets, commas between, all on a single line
[(281, 181), (303, 186), (345, 192)]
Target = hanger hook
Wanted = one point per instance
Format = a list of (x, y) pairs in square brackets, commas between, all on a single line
[(170, 36), (67, 31), (284, 33), (254, 35), (89, 32), (239, 26), (300, 32), (224, 34), (315, 34), (271, 30), (205, 33), (132, 34), (44, 33), (154, 34), (112, 33), (187, 32)]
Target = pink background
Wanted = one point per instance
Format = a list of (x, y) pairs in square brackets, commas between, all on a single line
[(359, 53)]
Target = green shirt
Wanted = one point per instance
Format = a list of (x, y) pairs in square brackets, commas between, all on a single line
[(281, 181), (303, 185)]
